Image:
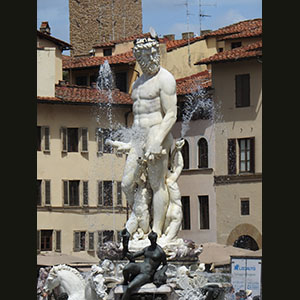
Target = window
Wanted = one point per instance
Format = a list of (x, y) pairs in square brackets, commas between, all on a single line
[(121, 81), (39, 192), (185, 155), (204, 212), (231, 156), (58, 241), (246, 155), (102, 134), (119, 193), (43, 192), (245, 207), (107, 52), (236, 45), (105, 236), (93, 79), (220, 49), (81, 80), (71, 192), (91, 242), (186, 222), (43, 138), (72, 137), (46, 240), (105, 195), (242, 90), (202, 153), (79, 240)]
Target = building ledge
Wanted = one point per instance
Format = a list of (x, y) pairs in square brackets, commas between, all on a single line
[(82, 209), (197, 171), (240, 178)]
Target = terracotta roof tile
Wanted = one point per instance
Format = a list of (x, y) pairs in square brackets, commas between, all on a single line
[(73, 94), (248, 25), (246, 52), (174, 44), (59, 42), (252, 32), (94, 61), (191, 83)]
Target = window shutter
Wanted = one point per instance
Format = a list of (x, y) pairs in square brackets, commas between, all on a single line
[(58, 240), (99, 140), (100, 193), (64, 139), (66, 192), (85, 191), (76, 241), (231, 156), (47, 192), (91, 241), (46, 138), (252, 155), (119, 193), (38, 240), (84, 140)]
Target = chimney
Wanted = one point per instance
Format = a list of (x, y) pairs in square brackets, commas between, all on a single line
[(170, 37), (186, 35), (45, 28)]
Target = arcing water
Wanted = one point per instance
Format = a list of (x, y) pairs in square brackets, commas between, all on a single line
[(198, 103)]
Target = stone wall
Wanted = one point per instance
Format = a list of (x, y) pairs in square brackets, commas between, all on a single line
[(96, 21)]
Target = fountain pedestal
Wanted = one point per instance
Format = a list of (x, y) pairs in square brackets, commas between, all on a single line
[(147, 291)]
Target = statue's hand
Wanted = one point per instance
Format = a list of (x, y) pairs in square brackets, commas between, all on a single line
[(155, 152)]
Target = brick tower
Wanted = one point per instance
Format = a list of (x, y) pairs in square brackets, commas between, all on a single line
[(96, 21)]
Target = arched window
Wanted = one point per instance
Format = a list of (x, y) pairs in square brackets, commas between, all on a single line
[(185, 155), (202, 153), (246, 242)]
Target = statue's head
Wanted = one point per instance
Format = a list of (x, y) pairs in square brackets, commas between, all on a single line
[(152, 237), (146, 52)]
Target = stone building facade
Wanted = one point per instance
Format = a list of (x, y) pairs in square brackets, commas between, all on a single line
[(97, 21)]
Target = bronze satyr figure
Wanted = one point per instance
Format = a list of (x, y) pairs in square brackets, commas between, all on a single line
[(137, 274)]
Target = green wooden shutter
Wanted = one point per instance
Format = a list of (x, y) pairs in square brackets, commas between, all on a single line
[(64, 139), (47, 192), (231, 156), (84, 140), (66, 192), (46, 138)]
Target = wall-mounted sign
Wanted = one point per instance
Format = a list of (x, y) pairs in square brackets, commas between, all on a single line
[(246, 274)]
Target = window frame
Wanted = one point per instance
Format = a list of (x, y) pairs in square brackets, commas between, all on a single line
[(251, 158), (202, 165), (204, 218), (245, 200)]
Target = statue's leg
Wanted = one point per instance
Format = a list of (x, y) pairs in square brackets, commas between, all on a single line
[(157, 173), (132, 223), (128, 180), (137, 282), (130, 271)]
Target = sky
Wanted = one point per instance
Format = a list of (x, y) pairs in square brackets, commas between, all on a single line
[(165, 16)]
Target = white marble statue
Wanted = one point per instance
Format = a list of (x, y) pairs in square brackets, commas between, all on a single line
[(154, 114), (68, 280)]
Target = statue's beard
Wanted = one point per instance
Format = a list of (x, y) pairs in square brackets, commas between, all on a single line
[(149, 66)]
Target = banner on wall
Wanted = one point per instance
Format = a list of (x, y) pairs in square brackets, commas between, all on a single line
[(246, 274)]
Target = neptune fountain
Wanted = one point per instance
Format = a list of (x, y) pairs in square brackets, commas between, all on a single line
[(153, 166)]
